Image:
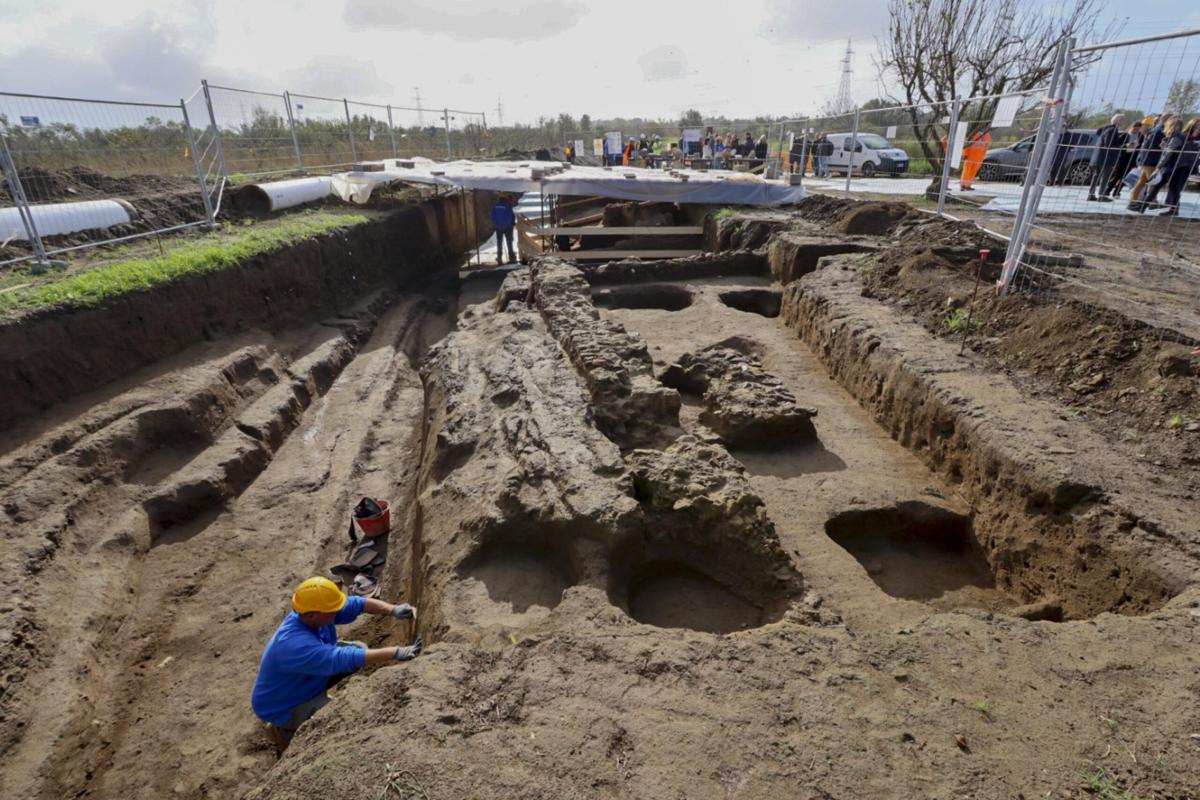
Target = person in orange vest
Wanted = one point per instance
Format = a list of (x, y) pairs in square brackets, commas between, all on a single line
[(630, 149), (973, 155)]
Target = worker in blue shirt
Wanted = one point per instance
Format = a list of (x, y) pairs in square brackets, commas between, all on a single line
[(304, 657), (503, 220)]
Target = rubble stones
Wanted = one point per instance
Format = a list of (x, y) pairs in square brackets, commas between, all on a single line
[(743, 403), (631, 407)]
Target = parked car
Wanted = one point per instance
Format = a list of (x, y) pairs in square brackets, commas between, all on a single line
[(1009, 163), (873, 154)]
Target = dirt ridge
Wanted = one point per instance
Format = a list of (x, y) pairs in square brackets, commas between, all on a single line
[(960, 420)]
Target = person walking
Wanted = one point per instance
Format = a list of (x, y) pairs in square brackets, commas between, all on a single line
[(822, 150), (1110, 144), (973, 155), (798, 154), (760, 151), (304, 657), (1174, 140), (1058, 167), (504, 219), (1147, 161), (1185, 166), (1133, 140)]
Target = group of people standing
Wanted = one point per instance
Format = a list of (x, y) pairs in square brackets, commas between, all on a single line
[(819, 148), (1164, 149), (718, 150)]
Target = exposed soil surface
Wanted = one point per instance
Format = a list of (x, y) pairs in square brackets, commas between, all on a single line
[(1134, 383), (944, 588)]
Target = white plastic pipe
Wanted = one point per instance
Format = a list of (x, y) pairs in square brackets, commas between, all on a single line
[(55, 219), (278, 195)]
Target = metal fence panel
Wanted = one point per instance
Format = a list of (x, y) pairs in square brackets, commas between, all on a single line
[(80, 161), (1116, 204)]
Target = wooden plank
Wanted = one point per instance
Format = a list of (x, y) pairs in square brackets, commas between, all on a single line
[(601, 255), (664, 230)]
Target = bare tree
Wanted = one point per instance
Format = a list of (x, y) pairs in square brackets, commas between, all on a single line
[(939, 50), (1184, 97)]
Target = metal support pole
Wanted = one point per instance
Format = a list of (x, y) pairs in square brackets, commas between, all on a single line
[(462, 204), (806, 150), (212, 120), (955, 110), (853, 150), (187, 128), (41, 262), (779, 155), (392, 132), (1039, 163), (475, 222), (287, 102), (446, 120), (350, 130), (487, 136)]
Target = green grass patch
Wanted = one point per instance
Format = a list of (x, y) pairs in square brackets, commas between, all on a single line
[(959, 320), (212, 252), (1102, 785)]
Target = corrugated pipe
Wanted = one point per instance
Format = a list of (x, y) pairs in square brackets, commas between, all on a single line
[(262, 198), (55, 219)]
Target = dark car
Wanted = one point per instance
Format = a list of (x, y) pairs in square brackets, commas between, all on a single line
[(1010, 163)]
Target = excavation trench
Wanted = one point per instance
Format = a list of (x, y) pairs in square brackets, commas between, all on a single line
[(558, 507), (183, 480)]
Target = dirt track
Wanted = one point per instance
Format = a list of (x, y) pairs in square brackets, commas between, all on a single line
[(619, 601)]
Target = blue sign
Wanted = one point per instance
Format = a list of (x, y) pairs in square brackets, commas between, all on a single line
[(30, 122)]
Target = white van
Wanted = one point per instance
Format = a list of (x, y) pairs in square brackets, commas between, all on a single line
[(873, 155)]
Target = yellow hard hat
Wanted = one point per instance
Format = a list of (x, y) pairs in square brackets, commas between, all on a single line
[(318, 594)]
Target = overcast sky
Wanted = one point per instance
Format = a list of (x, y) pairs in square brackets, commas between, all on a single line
[(537, 57)]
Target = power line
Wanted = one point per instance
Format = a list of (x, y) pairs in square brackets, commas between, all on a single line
[(845, 101)]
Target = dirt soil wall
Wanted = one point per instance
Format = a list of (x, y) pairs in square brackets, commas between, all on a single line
[(1065, 519), (53, 354)]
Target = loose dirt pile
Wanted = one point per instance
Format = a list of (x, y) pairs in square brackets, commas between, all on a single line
[(1133, 383)]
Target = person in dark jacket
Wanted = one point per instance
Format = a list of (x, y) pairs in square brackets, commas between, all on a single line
[(747, 145), (503, 220), (1133, 140), (798, 154), (1147, 160), (1058, 167), (1109, 144), (822, 150), (1173, 143), (1185, 166), (760, 151)]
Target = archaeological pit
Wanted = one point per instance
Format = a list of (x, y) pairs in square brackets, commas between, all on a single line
[(729, 525)]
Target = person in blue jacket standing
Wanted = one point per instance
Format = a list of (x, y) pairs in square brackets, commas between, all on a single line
[(304, 657), (503, 220)]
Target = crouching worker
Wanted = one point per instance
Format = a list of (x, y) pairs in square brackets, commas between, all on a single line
[(304, 657)]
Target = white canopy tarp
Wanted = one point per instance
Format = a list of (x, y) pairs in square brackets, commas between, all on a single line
[(553, 178)]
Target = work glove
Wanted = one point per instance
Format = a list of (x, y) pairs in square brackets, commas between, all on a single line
[(408, 653), (404, 611)]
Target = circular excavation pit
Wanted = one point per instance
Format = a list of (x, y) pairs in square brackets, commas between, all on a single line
[(672, 595), (917, 551), (665, 296), (669, 584), (764, 302), (521, 575)]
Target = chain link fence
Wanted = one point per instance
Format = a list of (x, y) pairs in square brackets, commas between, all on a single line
[(1109, 206), (78, 173), (936, 150)]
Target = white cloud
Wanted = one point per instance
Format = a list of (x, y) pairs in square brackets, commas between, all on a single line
[(338, 76), (469, 20), (664, 63)]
